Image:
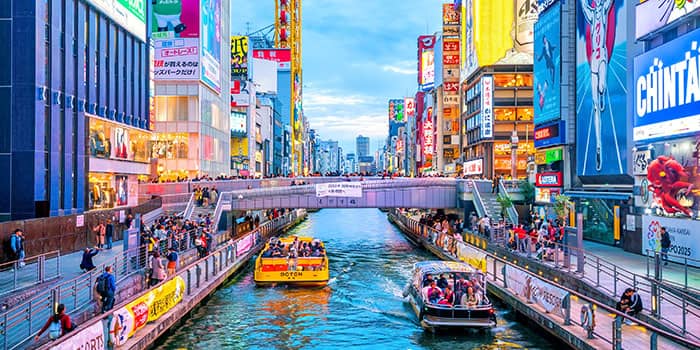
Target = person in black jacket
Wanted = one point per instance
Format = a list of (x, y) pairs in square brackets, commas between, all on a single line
[(86, 264), (665, 245)]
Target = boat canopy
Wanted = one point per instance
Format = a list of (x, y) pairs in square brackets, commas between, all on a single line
[(438, 266)]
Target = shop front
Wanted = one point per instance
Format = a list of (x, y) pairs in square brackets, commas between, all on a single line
[(119, 159)]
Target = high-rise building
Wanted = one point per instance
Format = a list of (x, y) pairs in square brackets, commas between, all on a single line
[(74, 108), (192, 87), (362, 146), (328, 157)]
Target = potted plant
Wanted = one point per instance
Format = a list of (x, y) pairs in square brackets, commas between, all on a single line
[(505, 201)]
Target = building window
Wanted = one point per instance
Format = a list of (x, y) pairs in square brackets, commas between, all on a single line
[(512, 80), (170, 146)]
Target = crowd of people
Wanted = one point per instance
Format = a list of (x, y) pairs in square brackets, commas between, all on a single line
[(456, 289), (293, 251), (205, 196)]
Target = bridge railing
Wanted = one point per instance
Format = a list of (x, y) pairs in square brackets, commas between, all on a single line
[(510, 211), (187, 213), (34, 270), (617, 337), (655, 269), (478, 201)]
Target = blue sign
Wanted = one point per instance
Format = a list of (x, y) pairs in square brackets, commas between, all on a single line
[(550, 135), (547, 65), (601, 71), (667, 90)]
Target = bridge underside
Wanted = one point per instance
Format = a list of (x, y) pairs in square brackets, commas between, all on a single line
[(432, 197)]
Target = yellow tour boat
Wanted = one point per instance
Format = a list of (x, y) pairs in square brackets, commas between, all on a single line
[(295, 261)]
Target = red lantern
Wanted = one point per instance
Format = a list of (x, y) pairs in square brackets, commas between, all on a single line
[(283, 17)]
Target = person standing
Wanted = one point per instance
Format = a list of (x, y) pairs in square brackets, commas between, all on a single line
[(172, 261), (106, 287), (665, 245), (109, 233), (158, 273), (15, 239), (99, 231), (20, 246)]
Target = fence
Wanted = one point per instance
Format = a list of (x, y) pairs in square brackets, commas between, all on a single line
[(36, 269), (197, 274), (617, 337), (657, 269)]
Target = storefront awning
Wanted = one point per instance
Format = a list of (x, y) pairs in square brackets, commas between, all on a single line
[(620, 196)]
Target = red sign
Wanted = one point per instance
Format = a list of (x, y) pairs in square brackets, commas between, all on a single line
[(283, 57), (428, 133), (235, 87), (450, 86), (548, 179), (450, 46), (450, 60), (409, 106)]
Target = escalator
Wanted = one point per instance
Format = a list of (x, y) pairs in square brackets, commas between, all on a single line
[(598, 220)]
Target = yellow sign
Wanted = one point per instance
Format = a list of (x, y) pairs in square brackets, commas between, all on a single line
[(165, 297)]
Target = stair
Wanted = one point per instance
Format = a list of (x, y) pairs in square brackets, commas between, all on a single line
[(202, 210), (493, 209)]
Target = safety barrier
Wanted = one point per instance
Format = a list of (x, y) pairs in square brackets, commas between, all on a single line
[(34, 270), (655, 269), (617, 336)]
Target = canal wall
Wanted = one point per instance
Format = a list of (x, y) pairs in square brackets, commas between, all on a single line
[(140, 321)]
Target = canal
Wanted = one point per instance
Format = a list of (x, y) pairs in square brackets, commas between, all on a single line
[(361, 308)]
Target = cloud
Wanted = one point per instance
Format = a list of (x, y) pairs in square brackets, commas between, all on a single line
[(399, 70)]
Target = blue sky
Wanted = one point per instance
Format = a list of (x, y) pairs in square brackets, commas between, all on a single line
[(356, 56)]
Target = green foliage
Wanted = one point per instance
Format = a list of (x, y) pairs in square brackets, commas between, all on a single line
[(562, 205), (505, 201), (528, 191)]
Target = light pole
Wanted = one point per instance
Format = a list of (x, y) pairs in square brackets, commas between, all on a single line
[(514, 155)]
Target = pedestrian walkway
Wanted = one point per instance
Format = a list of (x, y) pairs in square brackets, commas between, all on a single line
[(637, 264), (67, 265)]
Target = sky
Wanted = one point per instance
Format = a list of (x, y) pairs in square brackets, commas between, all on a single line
[(356, 56)]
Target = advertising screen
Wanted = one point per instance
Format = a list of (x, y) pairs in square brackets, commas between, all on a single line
[(651, 15), (239, 57), (468, 49), (426, 62), (547, 67), (130, 14), (667, 91), (601, 68), (683, 235), (121, 143), (211, 43), (238, 123), (122, 190), (396, 111), (175, 19), (176, 59)]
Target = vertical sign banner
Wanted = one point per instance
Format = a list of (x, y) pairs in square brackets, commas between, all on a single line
[(428, 133), (487, 106), (409, 104), (211, 44), (396, 111), (667, 92), (426, 62), (239, 57), (547, 65), (450, 20), (601, 70), (176, 59), (468, 50)]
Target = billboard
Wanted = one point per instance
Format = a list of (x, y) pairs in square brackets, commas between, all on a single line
[(547, 65), (486, 106), (601, 68), (667, 92), (175, 19), (239, 57), (240, 93), (468, 50), (450, 20), (238, 123), (410, 107), (550, 135), (211, 43), (396, 111), (683, 234), (176, 59), (651, 15), (129, 14), (265, 76), (283, 57), (474, 167), (426, 62), (428, 134)]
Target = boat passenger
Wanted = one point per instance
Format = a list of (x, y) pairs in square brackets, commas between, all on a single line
[(469, 299), (428, 280), (442, 282), (449, 298), (434, 293)]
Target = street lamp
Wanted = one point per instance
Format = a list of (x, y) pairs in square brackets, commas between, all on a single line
[(514, 155)]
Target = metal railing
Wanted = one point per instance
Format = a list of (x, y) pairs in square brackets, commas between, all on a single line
[(35, 270), (190, 207), (201, 271), (478, 201), (510, 211), (677, 309), (616, 336), (657, 269)]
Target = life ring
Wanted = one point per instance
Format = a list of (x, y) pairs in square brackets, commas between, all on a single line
[(587, 318)]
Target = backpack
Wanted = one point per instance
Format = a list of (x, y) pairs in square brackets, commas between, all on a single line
[(101, 284), (55, 329)]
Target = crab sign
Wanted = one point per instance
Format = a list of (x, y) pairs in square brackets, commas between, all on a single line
[(664, 175)]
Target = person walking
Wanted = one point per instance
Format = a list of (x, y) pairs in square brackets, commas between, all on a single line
[(494, 184), (19, 246), (158, 273), (106, 287), (15, 239), (86, 264), (58, 324), (665, 245)]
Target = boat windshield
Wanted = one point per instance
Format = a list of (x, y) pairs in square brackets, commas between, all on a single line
[(455, 289)]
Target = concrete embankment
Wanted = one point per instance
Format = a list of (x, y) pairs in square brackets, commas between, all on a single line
[(138, 323)]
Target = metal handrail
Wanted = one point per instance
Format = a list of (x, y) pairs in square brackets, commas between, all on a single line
[(655, 256), (512, 213), (189, 208), (478, 200), (495, 260), (41, 268)]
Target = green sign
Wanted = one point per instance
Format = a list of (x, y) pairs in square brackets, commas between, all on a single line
[(136, 7), (549, 156)]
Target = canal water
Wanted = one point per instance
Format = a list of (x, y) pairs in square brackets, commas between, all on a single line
[(361, 308)]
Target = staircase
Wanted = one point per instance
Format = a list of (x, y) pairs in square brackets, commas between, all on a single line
[(486, 203), (491, 206)]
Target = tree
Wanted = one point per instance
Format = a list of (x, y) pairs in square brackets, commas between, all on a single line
[(528, 192), (505, 201), (562, 205)]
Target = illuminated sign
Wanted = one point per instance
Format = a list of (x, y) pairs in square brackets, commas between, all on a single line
[(239, 57), (396, 111), (450, 100), (546, 195), (667, 92), (487, 106), (450, 45), (449, 14), (426, 62), (451, 86), (474, 167), (548, 179), (450, 60), (502, 31), (549, 156), (651, 15), (283, 57), (428, 133), (549, 135), (410, 107), (129, 14), (640, 162)]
